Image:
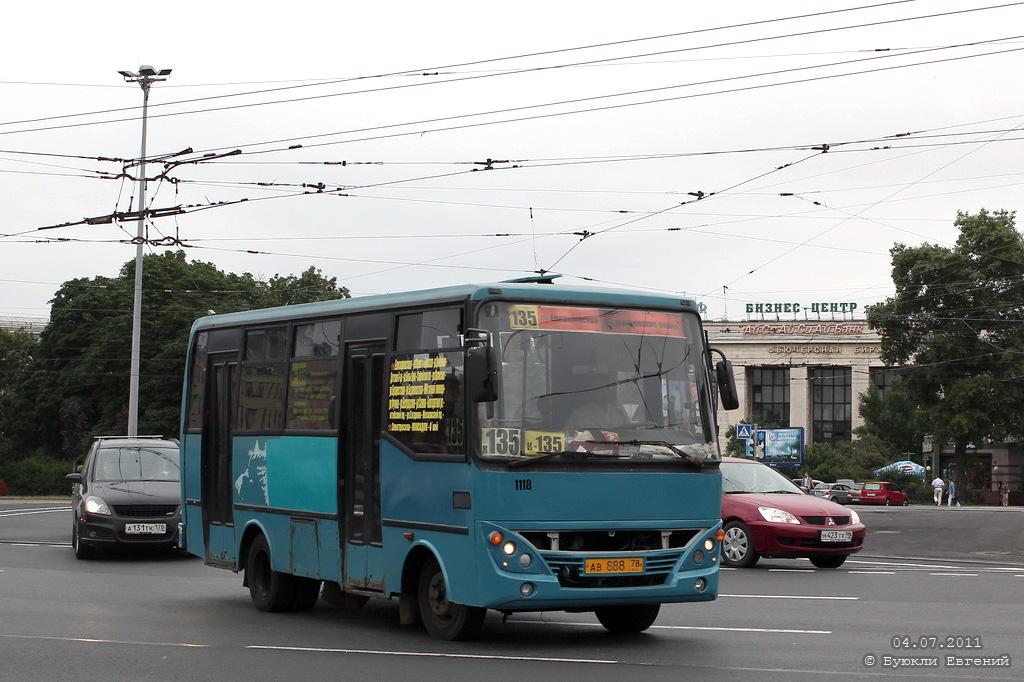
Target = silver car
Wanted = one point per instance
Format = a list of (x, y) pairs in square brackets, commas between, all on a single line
[(834, 492)]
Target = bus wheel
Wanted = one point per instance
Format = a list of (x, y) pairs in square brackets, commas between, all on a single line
[(270, 590), (628, 619), (307, 591), (442, 618)]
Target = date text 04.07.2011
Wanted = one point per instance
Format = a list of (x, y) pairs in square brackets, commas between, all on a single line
[(937, 642)]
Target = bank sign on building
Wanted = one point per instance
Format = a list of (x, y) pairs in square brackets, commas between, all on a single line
[(801, 373)]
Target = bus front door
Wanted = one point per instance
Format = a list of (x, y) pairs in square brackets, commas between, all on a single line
[(218, 526), (360, 460)]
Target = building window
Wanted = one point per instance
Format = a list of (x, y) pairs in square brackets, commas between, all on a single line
[(770, 388), (832, 395), (882, 378)]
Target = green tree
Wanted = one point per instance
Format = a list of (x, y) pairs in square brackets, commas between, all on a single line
[(16, 353), (77, 384), (894, 420), (856, 459), (956, 325)]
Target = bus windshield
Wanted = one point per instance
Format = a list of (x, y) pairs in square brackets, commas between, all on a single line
[(596, 384)]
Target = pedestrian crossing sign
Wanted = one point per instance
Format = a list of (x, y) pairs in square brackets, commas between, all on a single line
[(745, 431)]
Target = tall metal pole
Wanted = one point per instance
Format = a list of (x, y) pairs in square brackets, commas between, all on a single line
[(133, 381), (144, 78)]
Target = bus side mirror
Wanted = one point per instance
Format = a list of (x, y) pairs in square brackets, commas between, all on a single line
[(481, 374), (727, 385)]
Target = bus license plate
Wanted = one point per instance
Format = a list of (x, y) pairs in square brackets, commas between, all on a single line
[(145, 528), (836, 536), (607, 566)]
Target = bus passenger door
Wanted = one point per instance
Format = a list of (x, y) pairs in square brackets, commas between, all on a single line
[(360, 459), (216, 475)]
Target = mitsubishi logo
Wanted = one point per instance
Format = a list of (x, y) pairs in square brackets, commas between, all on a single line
[(829, 521)]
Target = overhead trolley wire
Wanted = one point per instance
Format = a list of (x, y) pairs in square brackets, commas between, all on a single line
[(478, 62), (534, 69)]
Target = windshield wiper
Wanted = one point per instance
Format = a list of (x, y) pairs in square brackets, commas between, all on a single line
[(784, 492), (569, 454), (678, 452)]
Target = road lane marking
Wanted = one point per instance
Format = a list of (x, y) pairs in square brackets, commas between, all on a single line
[(787, 596), (428, 654), (906, 566), (873, 572), (709, 628), (188, 645), (26, 512), (957, 575), (724, 629), (899, 564), (791, 570), (91, 640)]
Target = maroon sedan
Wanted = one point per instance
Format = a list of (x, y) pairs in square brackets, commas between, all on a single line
[(885, 493), (765, 515)]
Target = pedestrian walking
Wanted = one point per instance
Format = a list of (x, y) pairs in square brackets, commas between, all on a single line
[(937, 485), (951, 495), (1004, 494), (807, 481)]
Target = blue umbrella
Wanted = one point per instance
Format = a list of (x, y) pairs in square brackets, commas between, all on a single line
[(904, 466)]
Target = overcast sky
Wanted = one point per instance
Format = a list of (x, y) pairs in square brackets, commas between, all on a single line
[(735, 152)]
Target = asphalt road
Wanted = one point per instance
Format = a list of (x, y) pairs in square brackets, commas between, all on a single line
[(969, 533), (167, 617)]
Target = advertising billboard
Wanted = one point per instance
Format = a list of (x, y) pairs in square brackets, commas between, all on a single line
[(783, 447)]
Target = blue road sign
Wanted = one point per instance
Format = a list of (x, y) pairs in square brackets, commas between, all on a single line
[(745, 431)]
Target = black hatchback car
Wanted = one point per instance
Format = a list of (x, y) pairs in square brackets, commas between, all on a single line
[(127, 493)]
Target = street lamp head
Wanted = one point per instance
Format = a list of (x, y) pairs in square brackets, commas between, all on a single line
[(128, 74), (147, 70)]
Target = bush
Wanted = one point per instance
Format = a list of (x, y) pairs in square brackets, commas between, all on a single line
[(37, 475), (851, 459)]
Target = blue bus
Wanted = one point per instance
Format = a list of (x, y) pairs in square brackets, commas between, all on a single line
[(519, 446)]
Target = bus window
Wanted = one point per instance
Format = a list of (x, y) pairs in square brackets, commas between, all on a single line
[(312, 376), (319, 339), (262, 384), (426, 401), (429, 329), (266, 344), (197, 382)]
